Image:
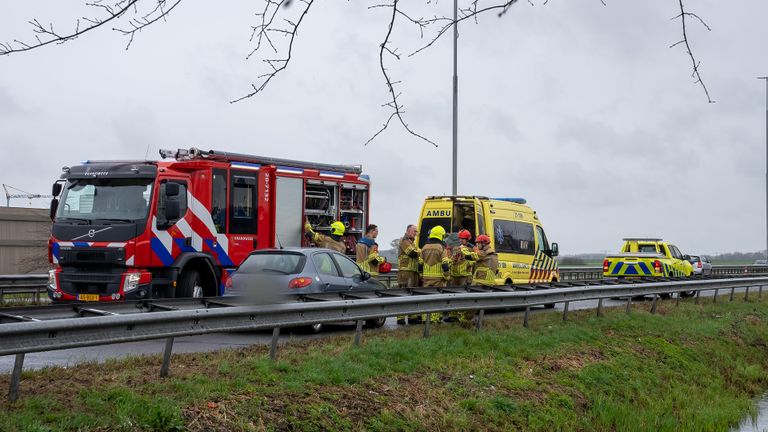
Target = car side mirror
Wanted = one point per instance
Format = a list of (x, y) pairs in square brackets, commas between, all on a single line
[(56, 189), (365, 276), (54, 207), (555, 250)]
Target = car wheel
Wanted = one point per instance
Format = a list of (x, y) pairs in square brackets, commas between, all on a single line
[(190, 284), (376, 322)]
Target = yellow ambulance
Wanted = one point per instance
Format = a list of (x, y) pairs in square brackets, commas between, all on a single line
[(517, 236)]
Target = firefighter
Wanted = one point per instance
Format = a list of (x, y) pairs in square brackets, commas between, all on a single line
[(333, 241), (463, 259), (408, 256), (367, 251), (435, 263), (485, 269)]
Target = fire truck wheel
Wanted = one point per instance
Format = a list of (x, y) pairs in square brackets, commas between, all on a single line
[(190, 284)]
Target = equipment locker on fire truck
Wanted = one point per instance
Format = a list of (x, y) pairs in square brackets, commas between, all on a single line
[(141, 229)]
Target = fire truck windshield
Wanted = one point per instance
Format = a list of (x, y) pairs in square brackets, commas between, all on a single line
[(105, 200)]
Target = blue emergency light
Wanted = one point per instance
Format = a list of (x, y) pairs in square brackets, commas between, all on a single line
[(514, 200)]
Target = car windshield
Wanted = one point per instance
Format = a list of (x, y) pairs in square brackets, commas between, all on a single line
[(694, 259), (273, 262), (111, 199)]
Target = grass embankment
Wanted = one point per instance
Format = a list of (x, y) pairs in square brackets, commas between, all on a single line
[(687, 368)]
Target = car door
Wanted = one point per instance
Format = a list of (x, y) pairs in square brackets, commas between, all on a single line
[(328, 272), (354, 276)]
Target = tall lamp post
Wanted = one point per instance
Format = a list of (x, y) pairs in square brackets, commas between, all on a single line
[(765, 78), (455, 97)]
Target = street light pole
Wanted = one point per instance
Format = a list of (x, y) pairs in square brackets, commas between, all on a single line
[(765, 78), (455, 97)]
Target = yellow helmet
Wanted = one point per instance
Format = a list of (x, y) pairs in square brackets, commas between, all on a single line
[(437, 232), (337, 228)]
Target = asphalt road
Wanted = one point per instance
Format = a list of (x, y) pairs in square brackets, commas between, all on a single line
[(213, 342)]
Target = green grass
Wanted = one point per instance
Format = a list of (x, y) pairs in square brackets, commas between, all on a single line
[(693, 367)]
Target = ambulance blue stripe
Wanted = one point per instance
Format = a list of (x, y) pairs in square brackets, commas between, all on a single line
[(159, 249), (631, 270)]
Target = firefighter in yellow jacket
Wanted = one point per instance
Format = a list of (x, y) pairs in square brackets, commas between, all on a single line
[(333, 241), (367, 251), (485, 269), (408, 257), (487, 262), (435, 263), (463, 259)]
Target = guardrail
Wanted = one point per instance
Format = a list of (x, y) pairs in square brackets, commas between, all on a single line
[(34, 285), (166, 319)]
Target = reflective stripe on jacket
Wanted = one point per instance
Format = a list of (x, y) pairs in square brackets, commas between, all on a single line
[(487, 266), (463, 261), (436, 261), (404, 259)]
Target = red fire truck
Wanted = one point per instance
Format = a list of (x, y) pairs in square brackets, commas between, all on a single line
[(178, 227)]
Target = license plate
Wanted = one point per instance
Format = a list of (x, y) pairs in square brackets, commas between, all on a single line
[(88, 297)]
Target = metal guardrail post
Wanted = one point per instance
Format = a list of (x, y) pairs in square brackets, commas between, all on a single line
[(273, 346), (565, 311), (480, 316), (600, 307), (629, 303), (166, 357), (760, 292), (746, 294), (525, 318), (677, 299), (2, 294), (714, 297), (698, 294), (653, 303), (358, 332), (732, 291), (18, 364), (427, 324)]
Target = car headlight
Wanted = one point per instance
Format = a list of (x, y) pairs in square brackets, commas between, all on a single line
[(131, 282)]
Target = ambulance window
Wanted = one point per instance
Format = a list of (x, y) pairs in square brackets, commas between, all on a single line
[(242, 203), (480, 220), (429, 223), (662, 250), (513, 237), (675, 252), (646, 248), (541, 240), (219, 200)]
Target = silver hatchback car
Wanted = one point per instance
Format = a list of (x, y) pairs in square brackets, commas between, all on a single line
[(702, 266), (279, 275)]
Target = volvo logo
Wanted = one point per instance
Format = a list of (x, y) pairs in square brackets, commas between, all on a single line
[(92, 233)]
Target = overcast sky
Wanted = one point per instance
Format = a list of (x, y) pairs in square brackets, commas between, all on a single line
[(583, 109)]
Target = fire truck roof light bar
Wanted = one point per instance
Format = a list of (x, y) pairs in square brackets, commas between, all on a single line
[(194, 153)]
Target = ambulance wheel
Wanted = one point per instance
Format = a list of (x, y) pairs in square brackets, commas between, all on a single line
[(190, 284)]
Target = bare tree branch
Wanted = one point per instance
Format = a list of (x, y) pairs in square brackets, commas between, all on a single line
[(695, 64), (50, 36)]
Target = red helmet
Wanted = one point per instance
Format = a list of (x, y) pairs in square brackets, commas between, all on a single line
[(385, 267), (464, 234), (482, 238)]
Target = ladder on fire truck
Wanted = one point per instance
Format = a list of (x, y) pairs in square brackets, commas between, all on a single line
[(196, 154)]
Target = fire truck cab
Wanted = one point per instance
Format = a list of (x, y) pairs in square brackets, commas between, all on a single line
[(179, 227)]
